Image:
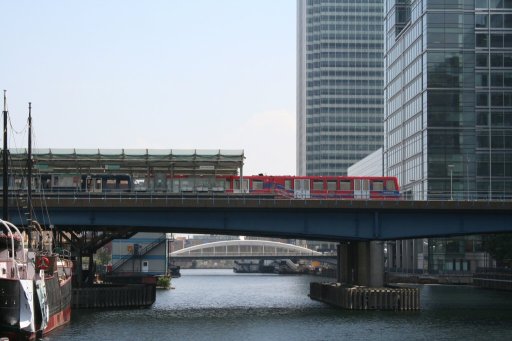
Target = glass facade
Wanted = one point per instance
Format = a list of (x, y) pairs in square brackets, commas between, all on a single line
[(339, 84), (448, 111), (448, 95)]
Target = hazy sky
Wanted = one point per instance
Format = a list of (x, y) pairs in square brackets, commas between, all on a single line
[(194, 74)]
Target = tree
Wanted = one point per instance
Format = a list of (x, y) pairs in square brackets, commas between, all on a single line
[(103, 256), (499, 246)]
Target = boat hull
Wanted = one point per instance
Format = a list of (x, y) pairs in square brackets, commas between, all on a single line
[(59, 301), (14, 300)]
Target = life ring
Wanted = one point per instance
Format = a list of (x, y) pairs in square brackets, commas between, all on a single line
[(43, 263)]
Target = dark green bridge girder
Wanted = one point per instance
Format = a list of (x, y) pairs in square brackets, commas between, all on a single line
[(304, 219)]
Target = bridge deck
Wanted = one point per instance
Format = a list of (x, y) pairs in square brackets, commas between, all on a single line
[(307, 219), (198, 202)]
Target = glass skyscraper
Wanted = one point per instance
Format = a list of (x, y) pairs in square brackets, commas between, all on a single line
[(448, 95), (339, 83), (448, 111)]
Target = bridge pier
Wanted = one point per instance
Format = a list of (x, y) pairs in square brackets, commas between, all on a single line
[(361, 281), (361, 263)]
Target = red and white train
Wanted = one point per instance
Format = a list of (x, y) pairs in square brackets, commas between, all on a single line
[(299, 187), (321, 187)]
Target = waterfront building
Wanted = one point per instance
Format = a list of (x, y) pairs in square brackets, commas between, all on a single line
[(448, 95), (448, 109), (143, 253), (339, 83)]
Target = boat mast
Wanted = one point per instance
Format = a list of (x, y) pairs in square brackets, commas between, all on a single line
[(29, 171), (5, 191), (29, 165)]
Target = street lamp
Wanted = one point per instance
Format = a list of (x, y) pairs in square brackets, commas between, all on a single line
[(450, 167)]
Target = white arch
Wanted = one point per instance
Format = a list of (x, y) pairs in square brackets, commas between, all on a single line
[(225, 243)]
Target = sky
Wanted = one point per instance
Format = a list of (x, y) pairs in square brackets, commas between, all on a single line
[(194, 74)]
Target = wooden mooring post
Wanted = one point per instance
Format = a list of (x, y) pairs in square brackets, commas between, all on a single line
[(364, 298), (114, 296)]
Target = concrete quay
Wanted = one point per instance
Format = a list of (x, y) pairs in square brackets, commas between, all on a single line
[(496, 279), (396, 277)]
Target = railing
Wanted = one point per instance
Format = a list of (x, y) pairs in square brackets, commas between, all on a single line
[(476, 196), (494, 270), (249, 254)]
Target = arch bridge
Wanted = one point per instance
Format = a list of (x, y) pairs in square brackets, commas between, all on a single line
[(247, 249)]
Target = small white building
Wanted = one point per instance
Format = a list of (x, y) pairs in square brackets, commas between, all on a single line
[(144, 252)]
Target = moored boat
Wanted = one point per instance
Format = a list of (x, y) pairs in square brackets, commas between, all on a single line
[(35, 283), (35, 290)]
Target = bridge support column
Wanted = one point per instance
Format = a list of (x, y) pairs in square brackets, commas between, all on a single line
[(398, 255), (361, 263), (347, 262), (376, 264)]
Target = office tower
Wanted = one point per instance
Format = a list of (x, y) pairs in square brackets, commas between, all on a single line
[(339, 83), (448, 95), (448, 108)]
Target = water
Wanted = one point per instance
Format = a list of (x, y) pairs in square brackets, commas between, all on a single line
[(222, 305)]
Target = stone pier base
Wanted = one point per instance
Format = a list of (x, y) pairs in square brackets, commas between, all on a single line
[(365, 298)]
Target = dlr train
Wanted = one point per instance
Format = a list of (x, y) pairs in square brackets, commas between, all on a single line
[(299, 187)]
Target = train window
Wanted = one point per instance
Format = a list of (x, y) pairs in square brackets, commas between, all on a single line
[(18, 183), (287, 184), (202, 183), (318, 185), (176, 184), (236, 184), (186, 186), (220, 184), (377, 185), (390, 185), (257, 184), (331, 185), (111, 184), (345, 185), (124, 184)]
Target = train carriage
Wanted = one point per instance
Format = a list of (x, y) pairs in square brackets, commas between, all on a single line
[(320, 187), (291, 187)]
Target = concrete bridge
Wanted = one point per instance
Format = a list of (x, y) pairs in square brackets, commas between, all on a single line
[(301, 219), (361, 225)]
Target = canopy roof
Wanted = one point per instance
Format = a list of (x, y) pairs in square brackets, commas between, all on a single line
[(133, 161)]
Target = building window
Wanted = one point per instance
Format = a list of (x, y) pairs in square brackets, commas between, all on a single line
[(481, 40)]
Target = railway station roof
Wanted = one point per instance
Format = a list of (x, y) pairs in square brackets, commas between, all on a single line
[(132, 161)]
